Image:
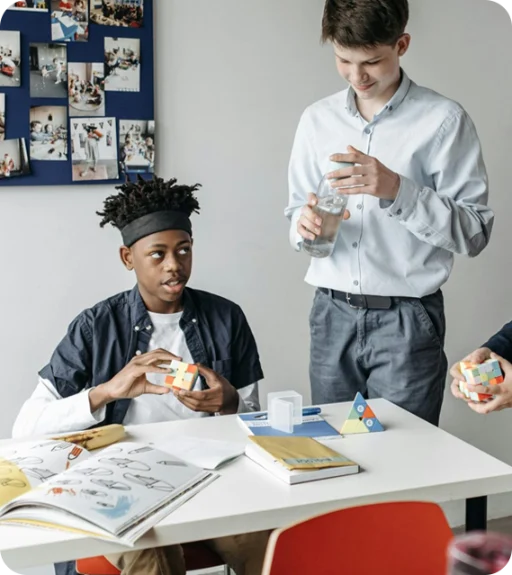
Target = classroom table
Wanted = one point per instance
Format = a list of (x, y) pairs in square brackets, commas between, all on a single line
[(410, 460)]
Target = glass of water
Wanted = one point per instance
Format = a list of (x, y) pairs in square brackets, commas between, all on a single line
[(330, 207), (479, 553)]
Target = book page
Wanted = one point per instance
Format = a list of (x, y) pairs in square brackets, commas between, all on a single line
[(27, 465), (115, 488)]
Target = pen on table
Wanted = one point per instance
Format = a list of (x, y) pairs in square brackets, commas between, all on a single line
[(305, 412)]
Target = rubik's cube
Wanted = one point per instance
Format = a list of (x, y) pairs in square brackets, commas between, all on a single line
[(486, 374), (181, 375)]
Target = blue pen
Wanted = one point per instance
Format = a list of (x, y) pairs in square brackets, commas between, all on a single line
[(305, 412)]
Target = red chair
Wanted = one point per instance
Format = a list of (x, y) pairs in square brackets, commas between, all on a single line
[(385, 538), (197, 556)]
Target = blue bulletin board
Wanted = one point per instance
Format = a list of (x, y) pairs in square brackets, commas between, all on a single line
[(78, 128)]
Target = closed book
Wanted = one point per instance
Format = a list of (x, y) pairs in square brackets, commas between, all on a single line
[(312, 426), (298, 459)]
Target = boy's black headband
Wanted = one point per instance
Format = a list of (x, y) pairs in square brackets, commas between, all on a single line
[(153, 223)]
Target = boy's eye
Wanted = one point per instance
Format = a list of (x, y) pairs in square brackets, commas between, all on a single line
[(156, 255), (184, 251)]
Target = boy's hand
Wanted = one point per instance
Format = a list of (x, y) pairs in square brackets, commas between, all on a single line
[(309, 224), (220, 397), (370, 176), (477, 356), (501, 391), (131, 381)]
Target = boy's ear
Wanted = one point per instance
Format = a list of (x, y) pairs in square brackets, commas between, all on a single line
[(403, 44), (126, 256)]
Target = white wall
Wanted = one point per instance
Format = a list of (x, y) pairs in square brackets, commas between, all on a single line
[(232, 78)]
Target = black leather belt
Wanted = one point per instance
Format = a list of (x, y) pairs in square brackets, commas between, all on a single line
[(359, 301)]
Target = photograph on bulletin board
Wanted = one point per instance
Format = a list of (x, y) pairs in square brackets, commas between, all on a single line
[(86, 88), (76, 92), (48, 70), (49, 133), (128, 13), (122, 64), (94, 149), (33, 5), (137, 146), (2, 116), (70, 20), (13, 158), (10, 59)]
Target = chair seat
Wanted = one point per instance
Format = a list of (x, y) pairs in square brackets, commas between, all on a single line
[(197, 556)]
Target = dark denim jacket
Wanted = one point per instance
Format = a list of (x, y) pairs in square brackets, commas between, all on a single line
[(501, 342), (103, 339)]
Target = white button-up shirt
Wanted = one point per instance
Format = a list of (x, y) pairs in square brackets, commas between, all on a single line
[(405, 247)]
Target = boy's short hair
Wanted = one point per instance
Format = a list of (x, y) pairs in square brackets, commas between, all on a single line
[(364, 23), (143, 197), (35, 123)]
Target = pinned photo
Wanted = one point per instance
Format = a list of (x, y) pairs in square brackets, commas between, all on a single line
[(94, 149), (2, 117), (10, 59), (48, 133), (127, 13), (137, 146), (86, 89), (13, 158), (48, 71), (70, 20), (41, 5), (122, 64)]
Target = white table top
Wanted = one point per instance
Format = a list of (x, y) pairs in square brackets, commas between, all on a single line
[(411, 460)]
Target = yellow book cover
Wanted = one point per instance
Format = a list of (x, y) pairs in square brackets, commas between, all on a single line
[(301, 452)]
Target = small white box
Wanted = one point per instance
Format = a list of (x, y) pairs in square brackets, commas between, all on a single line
[(284, 410)]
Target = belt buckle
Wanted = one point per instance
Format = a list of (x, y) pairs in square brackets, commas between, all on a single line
[(348, 298)]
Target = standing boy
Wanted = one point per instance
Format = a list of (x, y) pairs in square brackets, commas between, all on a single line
[(108, 368), (417, 195)]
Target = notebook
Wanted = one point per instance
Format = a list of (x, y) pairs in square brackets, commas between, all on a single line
[(298, 459), (312, 426)]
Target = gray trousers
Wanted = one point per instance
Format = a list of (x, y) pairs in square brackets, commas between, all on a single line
[(394, 353)]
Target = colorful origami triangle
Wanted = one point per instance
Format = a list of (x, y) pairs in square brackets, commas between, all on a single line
[(361, 418)]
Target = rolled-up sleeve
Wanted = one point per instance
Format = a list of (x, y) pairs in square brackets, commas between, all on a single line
[(453, 214), (60, 402)]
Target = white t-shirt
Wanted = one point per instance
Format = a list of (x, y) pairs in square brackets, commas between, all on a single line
[(42, 414), (167, 335)]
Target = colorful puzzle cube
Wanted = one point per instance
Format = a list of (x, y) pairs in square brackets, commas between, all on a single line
[(487, 373), (181, 375)]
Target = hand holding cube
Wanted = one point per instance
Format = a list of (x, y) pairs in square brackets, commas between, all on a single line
[(484, 374)]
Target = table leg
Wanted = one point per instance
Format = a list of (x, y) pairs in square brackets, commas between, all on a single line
[(476, 514)]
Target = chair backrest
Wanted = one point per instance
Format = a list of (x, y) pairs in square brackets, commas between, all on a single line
[(385, 538), (96, 566)]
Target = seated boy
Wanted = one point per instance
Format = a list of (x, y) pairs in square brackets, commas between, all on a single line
[(108, 368)]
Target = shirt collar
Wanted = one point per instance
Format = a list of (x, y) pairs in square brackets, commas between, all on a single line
[(139, 313), (397, 98)]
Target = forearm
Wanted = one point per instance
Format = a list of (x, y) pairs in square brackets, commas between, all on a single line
[(456, 225), (501, 342), (45, 412)]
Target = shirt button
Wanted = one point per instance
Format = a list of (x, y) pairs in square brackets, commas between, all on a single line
[(359, 206), (194, 320), (137, 328), (148, 327), (138, 352), (356, 283), (354, 245), (399, 212), (367, 130), (390, 108), (428, 234)]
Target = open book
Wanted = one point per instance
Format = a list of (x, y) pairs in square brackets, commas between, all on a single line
[(117, 494)]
